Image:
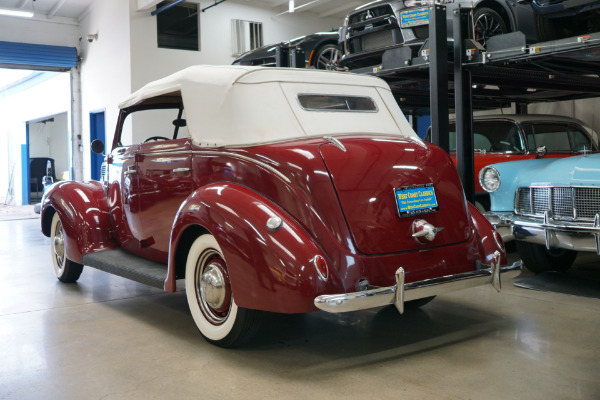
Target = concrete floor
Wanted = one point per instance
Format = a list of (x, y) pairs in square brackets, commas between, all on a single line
[(108, 338)]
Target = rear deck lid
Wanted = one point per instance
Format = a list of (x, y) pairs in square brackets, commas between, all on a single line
[(385, 185)]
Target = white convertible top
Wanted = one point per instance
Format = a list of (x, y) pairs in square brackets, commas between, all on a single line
[(231, 105)]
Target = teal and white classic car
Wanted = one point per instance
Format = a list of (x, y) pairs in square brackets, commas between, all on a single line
[(551, 207)]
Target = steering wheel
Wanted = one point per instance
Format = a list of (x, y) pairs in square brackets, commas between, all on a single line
[(155, 138)]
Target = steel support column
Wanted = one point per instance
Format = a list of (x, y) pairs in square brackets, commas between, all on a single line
[(438, 75), (463, 105)]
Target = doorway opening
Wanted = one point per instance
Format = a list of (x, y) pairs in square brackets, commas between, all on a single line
[(48, 161)]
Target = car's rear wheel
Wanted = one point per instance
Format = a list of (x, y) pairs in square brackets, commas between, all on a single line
[(66, 270), (328, 57), (488, 23), (210, 298), (539, 259)]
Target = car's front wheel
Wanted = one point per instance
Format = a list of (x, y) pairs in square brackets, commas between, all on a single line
[(210, 298), (488, 23), (66, 270), (328, 57), (539, 259)]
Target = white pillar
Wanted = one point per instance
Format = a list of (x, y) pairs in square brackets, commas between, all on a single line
[(76, 150)]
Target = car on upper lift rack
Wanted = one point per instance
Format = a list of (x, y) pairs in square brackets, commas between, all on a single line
[(273, 189), (371, 29), (320, 51)]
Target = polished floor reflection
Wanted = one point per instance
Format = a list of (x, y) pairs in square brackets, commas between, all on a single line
[(108, 338)]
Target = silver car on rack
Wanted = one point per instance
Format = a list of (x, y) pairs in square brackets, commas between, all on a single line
[(371, 29)]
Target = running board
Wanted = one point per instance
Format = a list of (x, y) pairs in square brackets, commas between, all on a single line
[(122, 263)]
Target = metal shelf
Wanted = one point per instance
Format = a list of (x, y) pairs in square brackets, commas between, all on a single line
[(507, 71)]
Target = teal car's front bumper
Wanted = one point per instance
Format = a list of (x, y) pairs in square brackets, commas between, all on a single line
[(578, 236)]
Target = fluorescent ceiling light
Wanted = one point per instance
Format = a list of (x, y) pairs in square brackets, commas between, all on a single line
[(366, 5), (11, 12), (291, 6)]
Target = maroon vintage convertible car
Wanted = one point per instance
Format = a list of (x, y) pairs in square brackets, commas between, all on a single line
[(275, 190)]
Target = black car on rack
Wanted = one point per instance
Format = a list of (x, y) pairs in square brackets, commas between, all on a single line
[(371, 29), (321, 51)]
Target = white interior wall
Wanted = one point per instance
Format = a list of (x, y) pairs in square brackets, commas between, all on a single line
[(150, 63), (50, 97), (54, 32), (51, 139), (587, 110), (105, 68)]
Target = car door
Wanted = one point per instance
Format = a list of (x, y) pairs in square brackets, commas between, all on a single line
[(123, 196), (164, 182)]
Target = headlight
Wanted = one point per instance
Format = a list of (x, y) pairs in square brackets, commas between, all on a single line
[(489, 178)]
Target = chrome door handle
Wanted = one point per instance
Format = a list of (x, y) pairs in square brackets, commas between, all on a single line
[(179, 170), (130, 172)]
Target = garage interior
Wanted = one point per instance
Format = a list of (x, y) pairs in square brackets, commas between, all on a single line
[(112, 338)]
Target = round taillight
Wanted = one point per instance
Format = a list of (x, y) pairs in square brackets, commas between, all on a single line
[(321, 267)]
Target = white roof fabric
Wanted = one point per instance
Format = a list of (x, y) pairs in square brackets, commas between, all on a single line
[(241, 105)]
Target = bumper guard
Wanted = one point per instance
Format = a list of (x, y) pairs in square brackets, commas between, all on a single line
[(548, 231), (402, 292)]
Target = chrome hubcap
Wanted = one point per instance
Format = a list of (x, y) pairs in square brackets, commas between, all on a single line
[(59, 245), (212, 286), (213, 291)]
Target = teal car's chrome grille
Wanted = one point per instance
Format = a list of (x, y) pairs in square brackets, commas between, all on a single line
[(572, 203)]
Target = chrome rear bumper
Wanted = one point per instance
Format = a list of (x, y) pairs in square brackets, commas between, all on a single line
[(402, 292)]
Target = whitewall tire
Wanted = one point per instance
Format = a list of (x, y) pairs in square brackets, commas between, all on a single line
[(66, 270), (210, 298)]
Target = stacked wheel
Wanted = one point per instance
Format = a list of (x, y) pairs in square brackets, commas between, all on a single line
[(488, 23)]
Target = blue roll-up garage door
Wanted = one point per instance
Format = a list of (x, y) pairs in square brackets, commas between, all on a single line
[(37, 56)]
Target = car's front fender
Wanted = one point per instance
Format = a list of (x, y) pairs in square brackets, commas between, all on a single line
[(84, 215), (270, 269)]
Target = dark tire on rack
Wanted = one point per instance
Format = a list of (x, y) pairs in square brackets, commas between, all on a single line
[(488, 23), (66, 271), (539, 259)]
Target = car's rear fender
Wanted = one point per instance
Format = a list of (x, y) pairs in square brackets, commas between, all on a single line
[(83, 212), (271, 269), (490, 239)]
